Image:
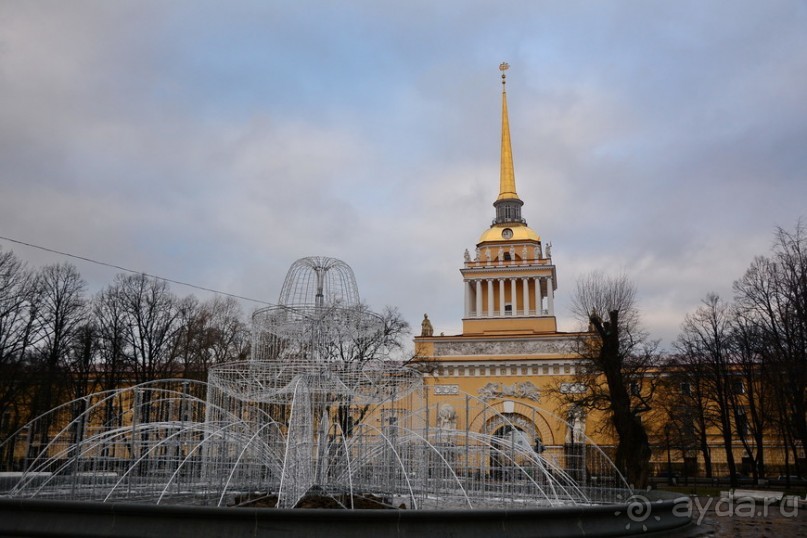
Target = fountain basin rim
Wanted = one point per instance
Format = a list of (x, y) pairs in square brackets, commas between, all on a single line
[(33, 517)]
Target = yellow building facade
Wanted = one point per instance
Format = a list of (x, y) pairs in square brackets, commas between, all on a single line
[(511, 355)]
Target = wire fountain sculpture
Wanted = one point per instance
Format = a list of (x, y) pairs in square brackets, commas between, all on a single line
[(320, 416)]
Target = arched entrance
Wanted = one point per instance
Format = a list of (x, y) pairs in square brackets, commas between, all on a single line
[(527, 418), (513, 435)]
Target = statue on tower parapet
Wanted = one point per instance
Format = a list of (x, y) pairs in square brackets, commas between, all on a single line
[(426, 328)]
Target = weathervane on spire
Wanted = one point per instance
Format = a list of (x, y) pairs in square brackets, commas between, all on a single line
[(504, 66)]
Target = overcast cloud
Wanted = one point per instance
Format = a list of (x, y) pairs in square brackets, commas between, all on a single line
[(217, 142)]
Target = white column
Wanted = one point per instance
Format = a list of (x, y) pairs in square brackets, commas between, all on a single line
[(550, 296), (525, 296), (478, 298), (501, 296), (490, 297), (468, 302), (513, 302), (539, 299)]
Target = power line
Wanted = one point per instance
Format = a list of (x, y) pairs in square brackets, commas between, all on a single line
[(112, 265)]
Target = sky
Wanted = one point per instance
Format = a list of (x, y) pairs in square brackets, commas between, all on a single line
[(217, 142)]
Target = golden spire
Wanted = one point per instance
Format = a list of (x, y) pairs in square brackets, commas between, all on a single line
[(507, 177)]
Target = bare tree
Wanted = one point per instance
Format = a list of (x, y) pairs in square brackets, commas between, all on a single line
[(753, 402), (774, 291), (60, 312), (82, 360), (109, 316), (372, 338), (16, 295), (212, 332), (685, 412), (81, 372), (151, 322), (189, 345), (705, 340), (617, 358), (17, 330), (230, 333)]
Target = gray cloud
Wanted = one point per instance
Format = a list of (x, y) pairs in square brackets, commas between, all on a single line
[(216, 145)]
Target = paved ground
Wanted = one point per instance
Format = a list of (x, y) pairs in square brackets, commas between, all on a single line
[(723, 520)]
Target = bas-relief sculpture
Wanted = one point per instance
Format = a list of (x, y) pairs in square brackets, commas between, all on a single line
[(446, 389), (573, 388), (506, 347), (447, 417), (576, 419), (524, 390)]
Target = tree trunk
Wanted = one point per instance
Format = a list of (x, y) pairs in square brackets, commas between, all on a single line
[(725, 424), (633, 447), (707, 454)]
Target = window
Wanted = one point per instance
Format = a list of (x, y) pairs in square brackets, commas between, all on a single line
[(686, 389), (738, 387), (634, 389)]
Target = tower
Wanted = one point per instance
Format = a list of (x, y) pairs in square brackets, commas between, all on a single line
[(510, 283), (510, 352)]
